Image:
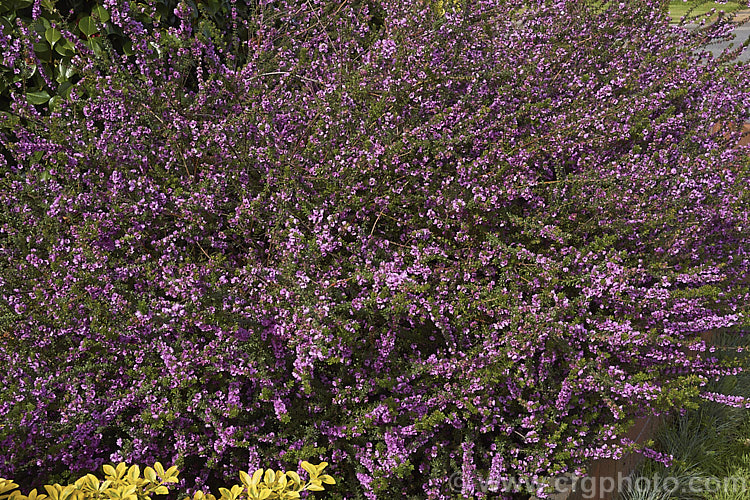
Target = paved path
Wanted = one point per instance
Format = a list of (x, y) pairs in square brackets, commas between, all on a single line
[(742, 33), (743, 15)]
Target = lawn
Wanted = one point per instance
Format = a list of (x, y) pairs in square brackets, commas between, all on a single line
[(694, 8)]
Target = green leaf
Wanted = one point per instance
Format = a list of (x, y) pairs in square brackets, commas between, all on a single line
[(52, 35), (7, 26), (37, 98), (41, 25), (64, 71), (87, 26), (96, 45), (54, 103), (42, 49), (113, 29), (162, 11), (101, 13), (65, 49)]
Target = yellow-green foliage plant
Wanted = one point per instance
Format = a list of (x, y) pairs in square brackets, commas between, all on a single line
[(123, 483), (440, 6), (273, 485)]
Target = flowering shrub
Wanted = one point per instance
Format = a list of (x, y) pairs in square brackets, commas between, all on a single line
[(415, 241)]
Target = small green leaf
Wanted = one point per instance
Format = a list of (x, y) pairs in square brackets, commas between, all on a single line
[(101, 13), (54, 103), (64, 89), (65, 49), (64, 71), (40, 25), (37, 98), (112, 29), (42, 49), (87, 26), (6, 25), (52, 35), (96, 45), (162, 12)]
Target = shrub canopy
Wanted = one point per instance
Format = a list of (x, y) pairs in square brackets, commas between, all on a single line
[(413, 240)]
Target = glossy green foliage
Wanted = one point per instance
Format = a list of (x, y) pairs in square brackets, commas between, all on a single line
[(45, 71)]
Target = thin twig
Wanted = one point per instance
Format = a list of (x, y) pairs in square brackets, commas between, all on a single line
[(374, 224), (204, 252), (287, 73)]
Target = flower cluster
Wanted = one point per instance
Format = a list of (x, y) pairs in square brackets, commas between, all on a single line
[(408, 240)]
